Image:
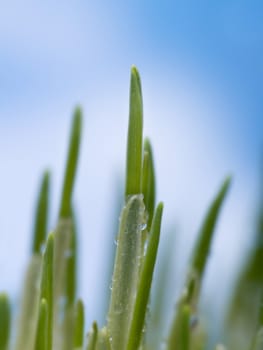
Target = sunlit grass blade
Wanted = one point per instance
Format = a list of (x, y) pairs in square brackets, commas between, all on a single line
[(5, 321), (79, 324), (93, 337), (144, 285), (148, 182), (71, 165), (46, 287), (126, 271), (134, 144), (41, 216), (25, 337), (42, 327)]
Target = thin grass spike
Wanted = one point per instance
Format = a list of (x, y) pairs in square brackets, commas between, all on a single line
[(134, 144), (41, 216)]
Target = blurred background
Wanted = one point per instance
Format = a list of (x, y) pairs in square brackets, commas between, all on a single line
[(202, 72)]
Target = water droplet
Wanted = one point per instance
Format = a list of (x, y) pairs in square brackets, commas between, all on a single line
[(62, 302), (42, 247), (143, 226), (193, 321), (68, 253)]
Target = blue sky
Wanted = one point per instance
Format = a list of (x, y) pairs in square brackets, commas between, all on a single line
[(202, 73)]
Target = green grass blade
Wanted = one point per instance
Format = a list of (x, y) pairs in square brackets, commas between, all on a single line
[(179, 338), (103, 341), (41, 216), (185, 328), (126, 271), (42, 327), (134, 144), (258, 341), (148, 182), (202, 247), (200, 254), (145, 281), (93, 337), (71, 165), (25, 337), (46, 288), (242, 318), (79, 324), (71, 274), (64, 285), (5, 321)]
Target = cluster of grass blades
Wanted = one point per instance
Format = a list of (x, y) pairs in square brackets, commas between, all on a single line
[(51, 317)]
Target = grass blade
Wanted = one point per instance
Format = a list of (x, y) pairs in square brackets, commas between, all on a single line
[(148, 182), (93, 337), (5, 321), (71, 165), (202, 247), (134, 144), (25, 337), (79, 324), (41, 217), (200, 254), (64, 285), (42, 327), (46, 288), (242, 318), (126, 271), (145, 281)]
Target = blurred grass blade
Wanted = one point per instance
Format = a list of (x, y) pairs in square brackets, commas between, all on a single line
[(71, 165), (204, 241), (134, 144), (148, 182), (258, 341), (46, 288), (220, 347), (71, 266), (185, 328), (5, 321), (144, 285), (42, 327), (200, 254), (64, 284), (126, 271), (79, 324), (26, 332), (103, 341), (242, 318), (41, 217), (202, 247), (179, 338), (93, 337)]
